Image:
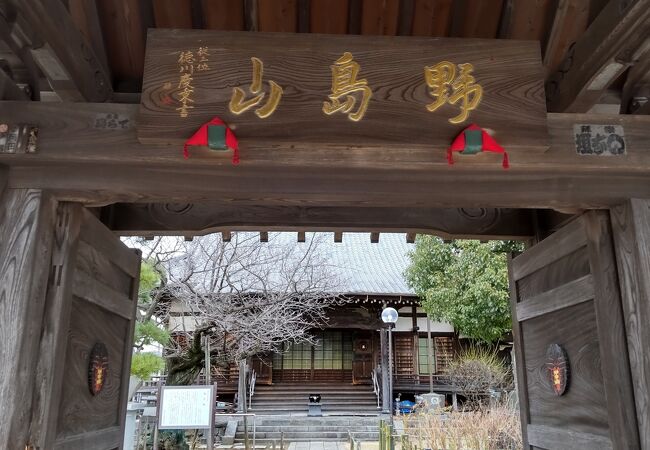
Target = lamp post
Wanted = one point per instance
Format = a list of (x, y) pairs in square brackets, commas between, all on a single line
[(389, 316)]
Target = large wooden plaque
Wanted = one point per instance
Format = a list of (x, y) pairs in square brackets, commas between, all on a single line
[(304, 82)]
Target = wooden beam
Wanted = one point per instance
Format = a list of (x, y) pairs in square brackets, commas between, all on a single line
[(226, 236), (329, 16), (410, 238), (14, 36), (631, 229), (374, 238), (527, 20), (130, 219), (636, 91), (85, 15), (83, 159), (67, 58), (124, 37), (251, 16), (380, 18), (9, 90), (432, 18), (571, 20), (278, 15), (227, 15), (4, 178), (476, 18), (612, 43), (264, 236), (27, 229), (173, 13), (611, 331), (338, 237)]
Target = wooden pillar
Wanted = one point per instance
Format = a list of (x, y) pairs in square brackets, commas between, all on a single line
[(4, 178), (631, 229), (385, 385), (26, 226), (241, 388)]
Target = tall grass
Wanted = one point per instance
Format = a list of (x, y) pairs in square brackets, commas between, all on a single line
[(499, 428)]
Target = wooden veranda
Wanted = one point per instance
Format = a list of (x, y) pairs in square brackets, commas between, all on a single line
[(88, 152)]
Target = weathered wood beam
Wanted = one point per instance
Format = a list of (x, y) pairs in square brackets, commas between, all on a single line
[(4, 178), (66, 57), (27, 229), (223, 14), (636, 91), (125, 43), (9, 90), (526, 20), (129, 219), (432, 18), (612, 43), (84, 159), (15, 38), (172, 13), (631, 228), (85, 15), (571, 20)]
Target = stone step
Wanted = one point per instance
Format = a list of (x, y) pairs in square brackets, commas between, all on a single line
[(313, 429), (293, 435), (324, 402), (305, 421), (315, 387), (269, 410)]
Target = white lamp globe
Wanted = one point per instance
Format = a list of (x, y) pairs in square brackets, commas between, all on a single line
[(389, 315)]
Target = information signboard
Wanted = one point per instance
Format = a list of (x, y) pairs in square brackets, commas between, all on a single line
[(186, 407)]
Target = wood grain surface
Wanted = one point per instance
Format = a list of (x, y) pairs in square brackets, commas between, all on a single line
[(565, 291), (631, 226), (611, 332), (583, 408), (197, 219), (54, 334), (26, 224), (510, 73)]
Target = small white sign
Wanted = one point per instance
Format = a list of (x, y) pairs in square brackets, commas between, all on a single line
[(186, 407), (599, 140)]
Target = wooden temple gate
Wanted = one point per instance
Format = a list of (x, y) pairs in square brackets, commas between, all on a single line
[(74, 175)]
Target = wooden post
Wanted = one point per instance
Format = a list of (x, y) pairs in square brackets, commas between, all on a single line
[(631, 229), (26, 226), (4, 178)]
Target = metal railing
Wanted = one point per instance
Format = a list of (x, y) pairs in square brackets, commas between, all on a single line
[(251, 387), (376, 386)]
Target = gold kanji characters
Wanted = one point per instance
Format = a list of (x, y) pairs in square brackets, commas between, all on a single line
[(344, 85), (445, 87), (239, 104), (186, 61), (204, 56), (186, 69)]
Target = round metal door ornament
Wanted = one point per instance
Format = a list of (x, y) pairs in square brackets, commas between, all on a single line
[(557, 366), (97, 368)]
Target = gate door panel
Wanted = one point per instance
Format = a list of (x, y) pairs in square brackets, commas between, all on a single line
[(83, 373), (564, 291)]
